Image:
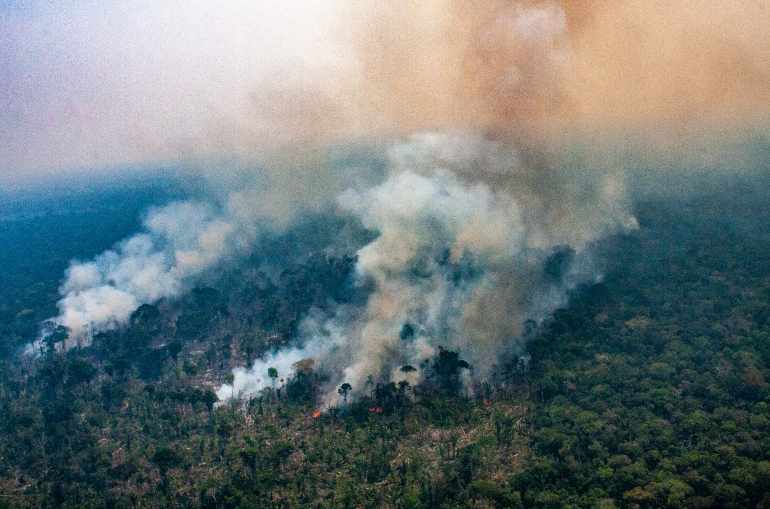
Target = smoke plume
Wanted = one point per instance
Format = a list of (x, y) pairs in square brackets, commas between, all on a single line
[(180, 243), (460, 261), (136, 81), (498, 123)]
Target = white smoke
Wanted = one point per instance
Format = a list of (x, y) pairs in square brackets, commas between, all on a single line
[(467, 222), (251, 383), (179, 243), (458, 262)]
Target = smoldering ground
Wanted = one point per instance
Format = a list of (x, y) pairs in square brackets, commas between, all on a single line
[(495, 134)]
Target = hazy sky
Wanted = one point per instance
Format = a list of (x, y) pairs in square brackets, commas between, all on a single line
[(88, 84)]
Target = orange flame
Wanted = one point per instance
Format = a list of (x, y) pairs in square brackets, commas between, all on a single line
[(377, 410), (316, 415)]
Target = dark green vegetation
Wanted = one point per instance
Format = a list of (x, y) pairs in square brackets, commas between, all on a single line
[(42, 230), (649, 390)]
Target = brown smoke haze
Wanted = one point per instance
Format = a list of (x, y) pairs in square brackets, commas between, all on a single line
[(504, 133), (671, 83), (544, 100), (681, 63), (533, 72), (256, 81)]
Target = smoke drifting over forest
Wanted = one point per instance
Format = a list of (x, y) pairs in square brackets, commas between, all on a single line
[(459, 262), (495, 181)]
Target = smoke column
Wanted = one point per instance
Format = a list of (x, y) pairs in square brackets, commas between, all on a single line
[(470, 212), (479, 110), (180, 242), (459, 261)]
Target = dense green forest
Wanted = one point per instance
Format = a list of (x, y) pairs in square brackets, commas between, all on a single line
[(649, 390)]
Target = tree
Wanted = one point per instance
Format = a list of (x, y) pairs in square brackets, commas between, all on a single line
[(146, 313), (302, 388), (407, 332), (174, 348), (280, 451), (59, 334), (303, 368), (230, 380), (344, 390), (446, 371), (403, 386), (249, 344), (209, 398), (273, 374), (165, 458), (81, 371)]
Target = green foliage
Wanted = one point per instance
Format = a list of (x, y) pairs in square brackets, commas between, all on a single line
[(649, 390), (445, 371), (165, 458), (58, 336)]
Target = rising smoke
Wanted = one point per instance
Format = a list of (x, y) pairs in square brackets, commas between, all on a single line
[(180, 243), (475, 109), (459, 262)]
